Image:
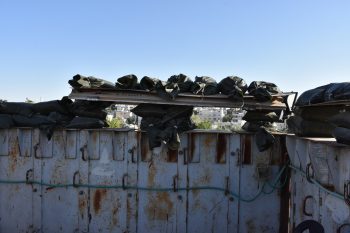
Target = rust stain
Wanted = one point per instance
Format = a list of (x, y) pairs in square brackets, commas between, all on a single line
[(246, 145), (13, 154), (151, 175), (160, 207), (145, 151), (221, 149), (208, 140), (115, 210), (172, 156), (193, 146), (82, 206), (98, 197), (250, 226)]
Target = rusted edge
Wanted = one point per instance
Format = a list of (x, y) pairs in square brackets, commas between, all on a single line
[(221, 145), (172, 156), (246, 147)]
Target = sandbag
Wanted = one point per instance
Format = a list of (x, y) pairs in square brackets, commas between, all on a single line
[(264, 140), (304, 128), (60, 119), (262, 91), (163, 123), (204, 86), (342, 135), (319, 113), (47, 107), (312, 96), (326, 93), (150, 110), (255, 126), (182, 81), (261, 116), (24, 109), (34, 121), (89, 109), (337, 91), (85, 123), (6, 121), (233, 86), (127, 82), (148, 83), (341, 120), (80, 81)]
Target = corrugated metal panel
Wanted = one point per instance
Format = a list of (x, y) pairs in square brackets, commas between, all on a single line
[(329, 164), (107, 158)]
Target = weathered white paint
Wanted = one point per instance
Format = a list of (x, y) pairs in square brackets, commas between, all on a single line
[(109, 157)]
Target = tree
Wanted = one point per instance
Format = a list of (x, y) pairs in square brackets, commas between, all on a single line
[(29, 101), (200, 124), (116, 122)]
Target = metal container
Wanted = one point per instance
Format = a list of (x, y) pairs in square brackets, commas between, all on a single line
[(320, 172), (109, 181)]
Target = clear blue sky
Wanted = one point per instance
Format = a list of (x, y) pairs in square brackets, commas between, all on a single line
[(296, 44)]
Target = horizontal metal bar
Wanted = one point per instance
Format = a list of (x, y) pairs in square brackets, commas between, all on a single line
[(134, 97)]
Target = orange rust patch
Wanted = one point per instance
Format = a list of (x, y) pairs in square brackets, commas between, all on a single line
[(13, 154), (246, 145), (151, 175), (98, 197), (82, 206), (172, 156), (160, 207), (221, 149), (115, 210), (208, 140)]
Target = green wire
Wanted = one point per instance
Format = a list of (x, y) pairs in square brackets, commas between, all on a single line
[(237, 196), (315, 182)]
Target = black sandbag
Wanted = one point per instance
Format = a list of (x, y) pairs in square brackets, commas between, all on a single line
[(60, 119), (262, 91), (182, 81), (24, 109), (319, 113), (33, 121), (337, 91), (177, 111), (168, 94), (170, 137), (80, 81), (233, 86), (254, 126), (148, 83), (305, 128), (264, 140), (312, 96), (127, 82), (204, 85), (85, 123), (47, 107), (261, 116), (150, 110), (341, 120), (182, 124), (6, 121), (342, 135), (91, 109)]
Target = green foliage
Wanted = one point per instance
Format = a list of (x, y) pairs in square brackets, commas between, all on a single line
[(116, 123), (200, 124), (204, 125), (227, 118)]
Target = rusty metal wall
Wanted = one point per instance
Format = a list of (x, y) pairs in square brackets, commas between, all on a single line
[(157, 191), (322, 167)]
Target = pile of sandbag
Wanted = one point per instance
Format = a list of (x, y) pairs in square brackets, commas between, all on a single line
[(261, 122), (53, 114), (329, 120), (232, 86), (164, 123)]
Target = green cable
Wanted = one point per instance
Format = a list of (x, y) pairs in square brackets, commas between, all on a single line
[(256, 196), (315, 182)]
